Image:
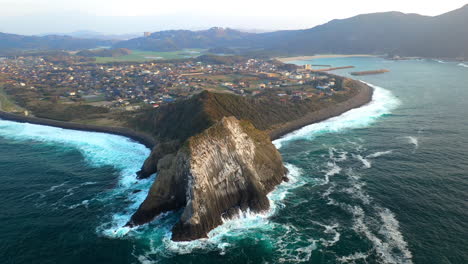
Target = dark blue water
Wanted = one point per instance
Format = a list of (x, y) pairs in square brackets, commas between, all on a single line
[(386, 183)]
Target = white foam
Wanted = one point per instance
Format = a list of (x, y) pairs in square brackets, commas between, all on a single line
[(342, 155), (84, 203), (414, 141), (366, 163), (378, 154), (353, 257), (391, 231), (99, 149), (357, 192), (393, 249), (440, 61), (334, 169), (53, 188), (383, 102), (330, 229), (463, 65), (243, 221), (376, 223)]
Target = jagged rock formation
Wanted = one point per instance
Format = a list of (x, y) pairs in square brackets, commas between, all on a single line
[(212, 162), (159, 151), (231, 166)]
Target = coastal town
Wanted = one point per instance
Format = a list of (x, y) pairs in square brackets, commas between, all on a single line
[(130, 86)]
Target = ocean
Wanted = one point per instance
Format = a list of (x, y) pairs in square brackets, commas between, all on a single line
[(384, 183)]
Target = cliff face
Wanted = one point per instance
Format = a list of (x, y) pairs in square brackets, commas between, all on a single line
[(231, 166)]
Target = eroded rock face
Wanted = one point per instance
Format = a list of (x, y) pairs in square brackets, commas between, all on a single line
[(151, 163), (231, 166)]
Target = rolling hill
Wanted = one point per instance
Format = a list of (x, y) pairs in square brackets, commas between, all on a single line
[(49, 42)]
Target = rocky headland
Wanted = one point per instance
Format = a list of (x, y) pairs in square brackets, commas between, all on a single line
[(215, 157), (213, 152), (230, 166)]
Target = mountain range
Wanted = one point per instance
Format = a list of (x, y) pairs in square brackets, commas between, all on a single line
[(87, 34), (392, 33), (10, 42)]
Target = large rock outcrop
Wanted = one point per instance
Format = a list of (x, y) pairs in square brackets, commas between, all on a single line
[(230, 166), (212, 165)]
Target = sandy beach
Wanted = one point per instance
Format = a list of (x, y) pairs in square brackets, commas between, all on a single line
[(289, 59)]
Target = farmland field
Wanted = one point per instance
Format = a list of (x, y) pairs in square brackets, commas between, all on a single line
[(141, 56)]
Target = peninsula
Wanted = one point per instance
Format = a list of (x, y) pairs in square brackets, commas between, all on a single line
[(215, 157), (210, 130)]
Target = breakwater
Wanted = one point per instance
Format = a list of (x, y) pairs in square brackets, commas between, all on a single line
[(333, 68), (369, 72)]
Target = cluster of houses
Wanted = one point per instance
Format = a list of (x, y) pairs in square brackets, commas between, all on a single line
[(130, 85)]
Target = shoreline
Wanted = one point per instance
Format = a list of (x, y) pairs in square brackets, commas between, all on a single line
[(363, 97), (324, 56), (141, 138)]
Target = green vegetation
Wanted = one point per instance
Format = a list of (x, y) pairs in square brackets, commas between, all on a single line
[(216, 59), (6, 104), (105, 53), (201, 111), (64, 112), (141, 56)]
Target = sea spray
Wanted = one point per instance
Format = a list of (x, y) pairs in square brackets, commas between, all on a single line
[(234, 227)]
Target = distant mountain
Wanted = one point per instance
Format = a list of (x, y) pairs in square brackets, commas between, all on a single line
[(87, 34), (50, 42), (393, 33), (171, 40)]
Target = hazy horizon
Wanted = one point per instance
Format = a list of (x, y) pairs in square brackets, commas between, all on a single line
[(117, 17)]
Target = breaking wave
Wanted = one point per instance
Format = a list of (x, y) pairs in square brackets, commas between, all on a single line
[(383, 101), (98, 150), (463, 65)]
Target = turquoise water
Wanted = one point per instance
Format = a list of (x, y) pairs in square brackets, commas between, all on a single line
[(385, 183)]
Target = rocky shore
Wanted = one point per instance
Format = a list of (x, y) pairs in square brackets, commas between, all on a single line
[(363, 97)]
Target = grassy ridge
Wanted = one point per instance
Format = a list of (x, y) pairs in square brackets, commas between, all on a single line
[(183, 119)]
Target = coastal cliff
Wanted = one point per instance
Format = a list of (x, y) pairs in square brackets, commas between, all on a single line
[(229, 167), (213, 152), (215, 157)]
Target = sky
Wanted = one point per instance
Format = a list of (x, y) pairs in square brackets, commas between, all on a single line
[(131, 16)]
